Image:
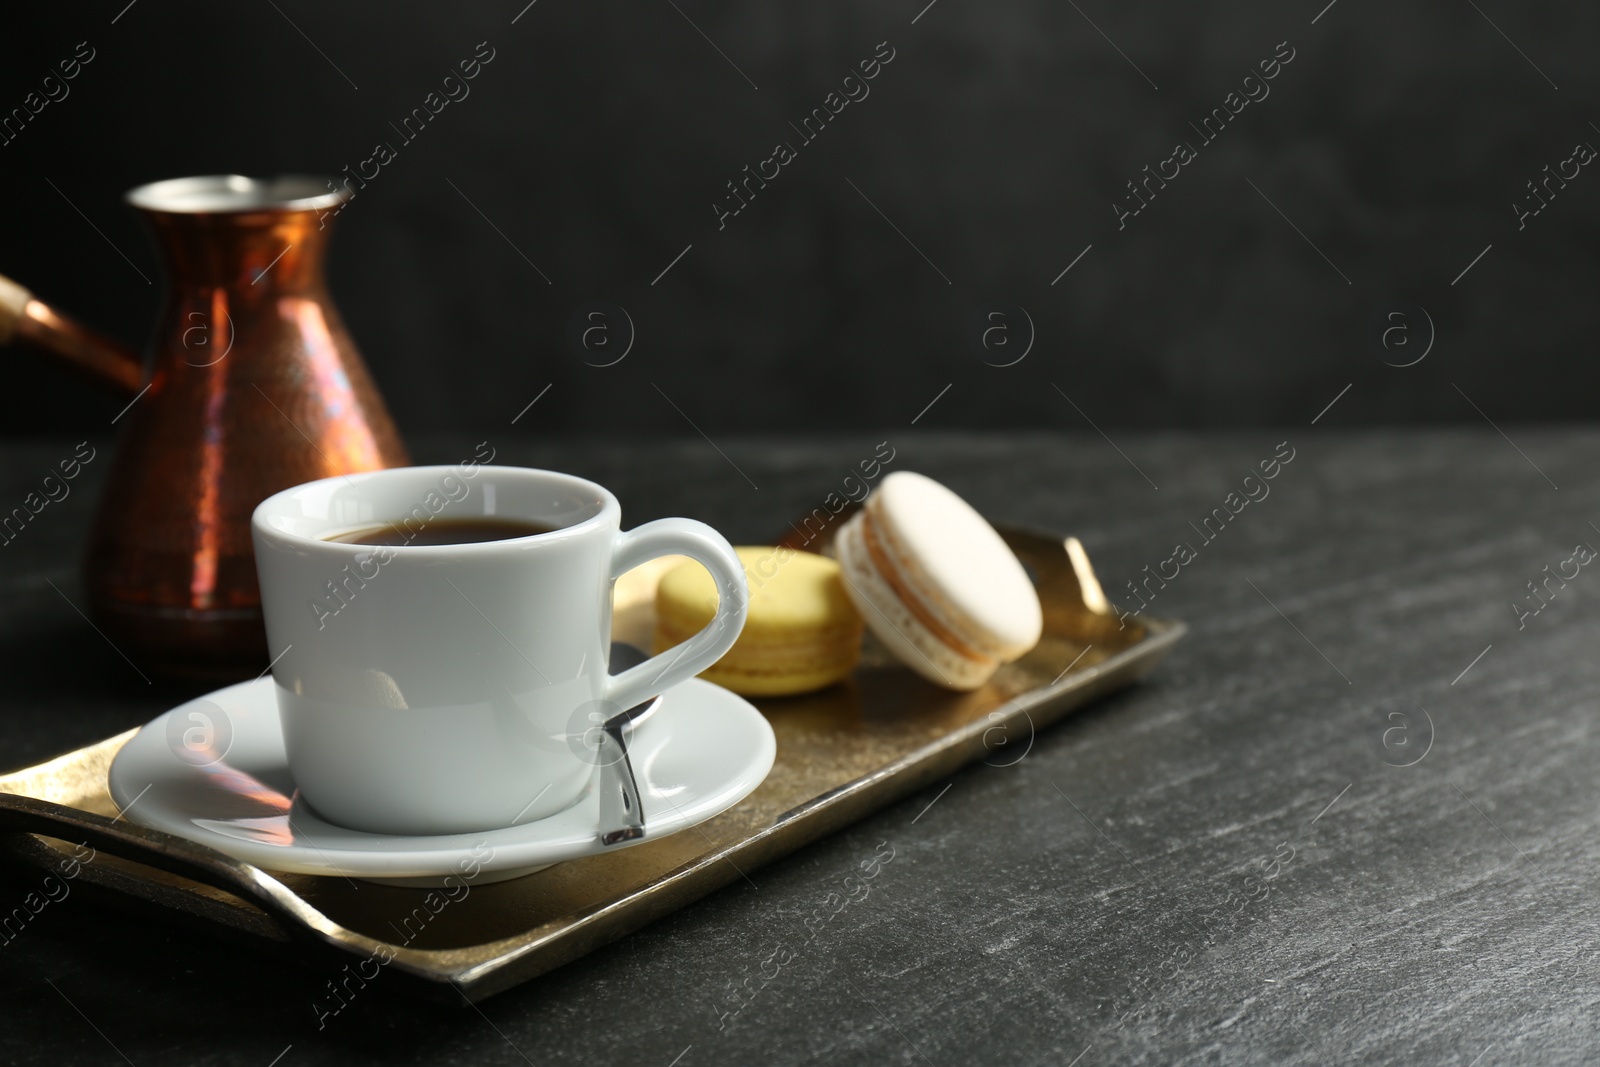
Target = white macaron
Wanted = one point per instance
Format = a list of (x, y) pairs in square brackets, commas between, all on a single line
[(936, 584)]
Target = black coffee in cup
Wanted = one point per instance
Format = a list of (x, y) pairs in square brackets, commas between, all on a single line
[(442, 531)]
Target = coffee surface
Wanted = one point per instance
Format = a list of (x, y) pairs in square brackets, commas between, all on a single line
[(441, 531)]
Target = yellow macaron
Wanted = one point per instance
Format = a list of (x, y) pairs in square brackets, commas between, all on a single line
[(803, 631)]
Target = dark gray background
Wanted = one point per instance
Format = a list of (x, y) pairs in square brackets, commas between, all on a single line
[(997, 140)]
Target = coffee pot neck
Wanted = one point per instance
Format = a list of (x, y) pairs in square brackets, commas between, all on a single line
[(267, 251)]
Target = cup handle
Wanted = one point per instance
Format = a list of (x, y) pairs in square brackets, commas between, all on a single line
[(666, 537)]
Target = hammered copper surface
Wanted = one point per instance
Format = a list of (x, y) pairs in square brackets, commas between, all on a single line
[(842, 753), (254, 385)]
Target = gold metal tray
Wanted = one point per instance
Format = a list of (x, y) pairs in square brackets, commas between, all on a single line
[(842, 753)]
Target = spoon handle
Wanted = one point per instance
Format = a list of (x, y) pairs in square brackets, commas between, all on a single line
[(621, 814)]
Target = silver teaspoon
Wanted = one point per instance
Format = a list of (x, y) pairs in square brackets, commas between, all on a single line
[(621, 812)]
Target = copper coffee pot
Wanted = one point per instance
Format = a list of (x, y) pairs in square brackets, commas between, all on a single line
[(252, 386)]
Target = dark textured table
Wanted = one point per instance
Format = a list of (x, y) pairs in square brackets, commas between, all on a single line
[(1350, 819)]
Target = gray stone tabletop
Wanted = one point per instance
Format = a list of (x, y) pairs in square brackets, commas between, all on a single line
[(1352, 818)]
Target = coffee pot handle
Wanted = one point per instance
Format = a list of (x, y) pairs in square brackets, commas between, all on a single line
[(666, 537), (25, 318)]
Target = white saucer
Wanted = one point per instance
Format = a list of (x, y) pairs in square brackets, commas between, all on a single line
[(702, 751)]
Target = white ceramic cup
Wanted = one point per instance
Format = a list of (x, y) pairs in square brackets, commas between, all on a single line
[(439, 689)]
